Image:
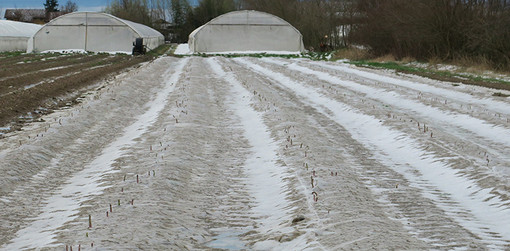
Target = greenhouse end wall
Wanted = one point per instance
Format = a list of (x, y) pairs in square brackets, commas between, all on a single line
[(246, 31), (14, 35), (13, 43), (221, 38)]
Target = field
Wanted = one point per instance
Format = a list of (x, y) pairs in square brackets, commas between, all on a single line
[(256, 153), (34, 84)]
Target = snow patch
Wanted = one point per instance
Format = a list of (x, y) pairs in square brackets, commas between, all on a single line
[(489, 103), (64, 206), (81, 51), (254, 52), (266, 178), (491, 132), (183, 49), (405, 155)]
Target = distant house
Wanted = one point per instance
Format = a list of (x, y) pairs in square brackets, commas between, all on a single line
[(36, 16), (166, 28)]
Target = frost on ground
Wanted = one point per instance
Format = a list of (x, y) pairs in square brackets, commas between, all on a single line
[(246, 153), (183, 49)]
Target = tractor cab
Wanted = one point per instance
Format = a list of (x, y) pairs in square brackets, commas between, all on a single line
[(138, 47)]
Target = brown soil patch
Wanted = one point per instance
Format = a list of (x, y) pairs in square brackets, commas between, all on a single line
[(55, 88)]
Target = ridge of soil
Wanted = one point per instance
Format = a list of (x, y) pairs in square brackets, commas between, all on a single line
[(29, 90)]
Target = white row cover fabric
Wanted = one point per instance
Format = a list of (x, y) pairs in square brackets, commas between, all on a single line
[(246, 31), (14, 35), (93, 31)]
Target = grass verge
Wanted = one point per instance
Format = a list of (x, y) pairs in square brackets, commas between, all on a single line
[(468, 79), (161, 50)]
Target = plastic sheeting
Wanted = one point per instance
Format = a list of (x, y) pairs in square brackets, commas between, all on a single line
[(246, 30), (14, 35), (92, 31)]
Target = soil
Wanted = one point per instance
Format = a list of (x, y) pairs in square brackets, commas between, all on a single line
[(257, 154), (30, 87)]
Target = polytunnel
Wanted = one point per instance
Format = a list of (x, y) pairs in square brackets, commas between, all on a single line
[(93, 31), (14, 35), (246, 31)]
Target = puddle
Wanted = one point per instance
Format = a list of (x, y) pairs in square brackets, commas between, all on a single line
[(227, 240)]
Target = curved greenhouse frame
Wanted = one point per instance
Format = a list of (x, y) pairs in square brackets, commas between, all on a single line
[(93, 31), (246, 31)]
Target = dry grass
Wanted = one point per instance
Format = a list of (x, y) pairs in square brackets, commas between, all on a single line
[(477, 65), (385, 58), (407, 60), (358, 54), (480, 66), (352, 53)]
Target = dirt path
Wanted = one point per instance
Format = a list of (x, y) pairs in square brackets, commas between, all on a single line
[(204, 153)]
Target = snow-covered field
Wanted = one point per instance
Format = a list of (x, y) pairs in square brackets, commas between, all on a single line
[(270, 153)]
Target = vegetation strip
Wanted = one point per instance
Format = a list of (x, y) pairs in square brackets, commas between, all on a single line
[(438, 75)]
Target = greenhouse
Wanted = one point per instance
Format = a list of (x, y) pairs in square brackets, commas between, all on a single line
[(14, 35), (93, 31), (246, 31)]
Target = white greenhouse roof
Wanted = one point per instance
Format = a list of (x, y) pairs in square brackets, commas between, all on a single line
[(248, 17), (143, 30), (102, 19), (245, 17), (17, 29)]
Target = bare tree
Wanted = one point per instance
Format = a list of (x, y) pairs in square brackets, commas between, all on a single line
[(445, 29), (181, 11), (209, 9), (134, 10), (69, 7), (323, 23)]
